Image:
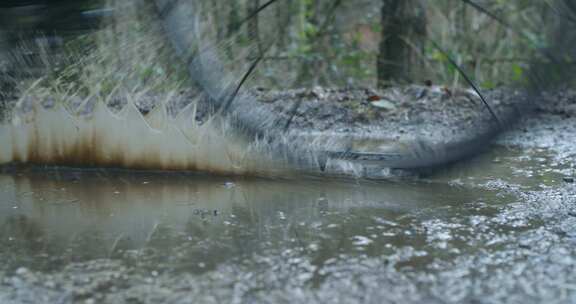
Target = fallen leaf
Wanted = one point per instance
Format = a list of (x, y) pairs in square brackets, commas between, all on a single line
[(384, 104), (374, 98)]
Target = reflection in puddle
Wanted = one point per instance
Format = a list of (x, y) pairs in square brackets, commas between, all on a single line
[(195, 223), (325, 240), (190, 222)]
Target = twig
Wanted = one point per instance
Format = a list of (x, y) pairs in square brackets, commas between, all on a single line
[(468, 80)]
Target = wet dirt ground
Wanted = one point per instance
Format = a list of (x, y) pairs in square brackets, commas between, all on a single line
[(431, 112), (500, 228)]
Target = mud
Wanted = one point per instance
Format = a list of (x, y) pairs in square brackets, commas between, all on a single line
[(430, 112), (500, 228), (174, 132)]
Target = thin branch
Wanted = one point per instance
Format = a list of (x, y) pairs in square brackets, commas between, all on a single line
[(468, 80)]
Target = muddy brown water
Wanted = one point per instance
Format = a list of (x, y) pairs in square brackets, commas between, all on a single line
[(318, 231)]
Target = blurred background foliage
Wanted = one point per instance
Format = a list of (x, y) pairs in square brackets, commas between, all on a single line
[(334, 43), (365, 42)]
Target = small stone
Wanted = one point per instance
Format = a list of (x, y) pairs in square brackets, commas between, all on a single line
[(362, 240), (50, 284), (22, 271), (318, 92)]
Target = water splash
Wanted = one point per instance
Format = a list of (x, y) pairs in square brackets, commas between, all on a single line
[(55, 135)]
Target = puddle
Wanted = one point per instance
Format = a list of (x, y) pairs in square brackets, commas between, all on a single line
[(88, 215), (315, 234), (527, 168)]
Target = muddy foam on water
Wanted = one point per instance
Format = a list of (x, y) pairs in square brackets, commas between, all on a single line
[(128, 139)]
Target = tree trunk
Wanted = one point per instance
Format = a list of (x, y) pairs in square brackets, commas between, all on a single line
[(403, 35)]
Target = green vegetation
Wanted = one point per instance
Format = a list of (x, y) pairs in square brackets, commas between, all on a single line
[(345, 41), (331, 43)]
